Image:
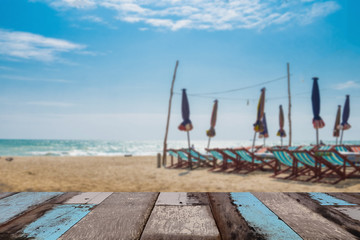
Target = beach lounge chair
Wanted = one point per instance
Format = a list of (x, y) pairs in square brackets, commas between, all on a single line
[(319, 166), (182, 156), (306, 148), (341, 148), (292, 165), (355, 148), (227, 159), (173, 154), (339, 162), (252, 161), (324, 147), (202, 160)]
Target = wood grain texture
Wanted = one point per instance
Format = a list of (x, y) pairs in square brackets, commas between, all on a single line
[(349, 197), (353, 212), (231, 224), (258, 216), (6, 194), (329, 212), (302, 220), (120, 216), (328, 200), (182, 199), (181, 222), (89, 198), (13, 227), (57, 221), (18, 204)]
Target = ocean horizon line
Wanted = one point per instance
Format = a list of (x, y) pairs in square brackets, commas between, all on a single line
[(58, 147)]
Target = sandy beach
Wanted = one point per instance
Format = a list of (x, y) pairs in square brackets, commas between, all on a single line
[(139, 174)]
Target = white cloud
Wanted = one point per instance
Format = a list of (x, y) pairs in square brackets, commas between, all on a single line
[(22, 78), (92, 18), (347, 85), (74, 3), (24, 45), (318, 10), (206, 14)]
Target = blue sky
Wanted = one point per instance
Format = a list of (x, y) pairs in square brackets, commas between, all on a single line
[(90, 69)]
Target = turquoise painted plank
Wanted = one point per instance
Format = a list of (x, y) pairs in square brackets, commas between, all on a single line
[(264, 221), (325, 199), (56, 221), (16, 204)]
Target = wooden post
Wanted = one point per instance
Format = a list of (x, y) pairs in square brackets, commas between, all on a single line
[(289, 94), (189, 155), (158, 160), (169, 111)]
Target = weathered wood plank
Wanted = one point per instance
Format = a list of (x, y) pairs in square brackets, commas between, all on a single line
[(6, 194), (328, 212), (231, 224), (261, 218), (120, 216), (89, 198), (181, 222), (349, 197), (17, 204), (182, 198), (302, 220), (11, 229), (325, 199), (353, 212), (56, 221)]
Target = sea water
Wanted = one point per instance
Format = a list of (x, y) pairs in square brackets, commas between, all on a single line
[(23, 147)]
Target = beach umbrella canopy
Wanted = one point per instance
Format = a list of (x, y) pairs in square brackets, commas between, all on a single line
[(186, 124), (336, 131), (258, 125), (211, 132), (264, 133), (346, 113), (315, 99), (281, 132)]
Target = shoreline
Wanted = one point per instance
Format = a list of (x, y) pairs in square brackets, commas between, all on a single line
[(140, 174)]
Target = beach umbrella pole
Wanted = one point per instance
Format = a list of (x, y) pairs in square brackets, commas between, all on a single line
[(336, 140), (188, 138), (281, 141), (208, 143), (264, 141), (253, 145), (341, 137), (317, 136)]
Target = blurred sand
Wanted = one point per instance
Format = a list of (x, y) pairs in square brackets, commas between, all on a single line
[(139, 174)]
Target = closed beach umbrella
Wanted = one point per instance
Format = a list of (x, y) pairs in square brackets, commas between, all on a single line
[(345, 117), (258, 125), (211, 132), (336, 131), (186, 124), (315, 99), (281, 133), (264, 134)]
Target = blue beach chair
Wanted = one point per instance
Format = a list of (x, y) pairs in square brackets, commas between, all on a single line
[(182, 158), (339, 163), (296, 168), (201, 159), (318, 165), (226, 158), (253, 162)]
